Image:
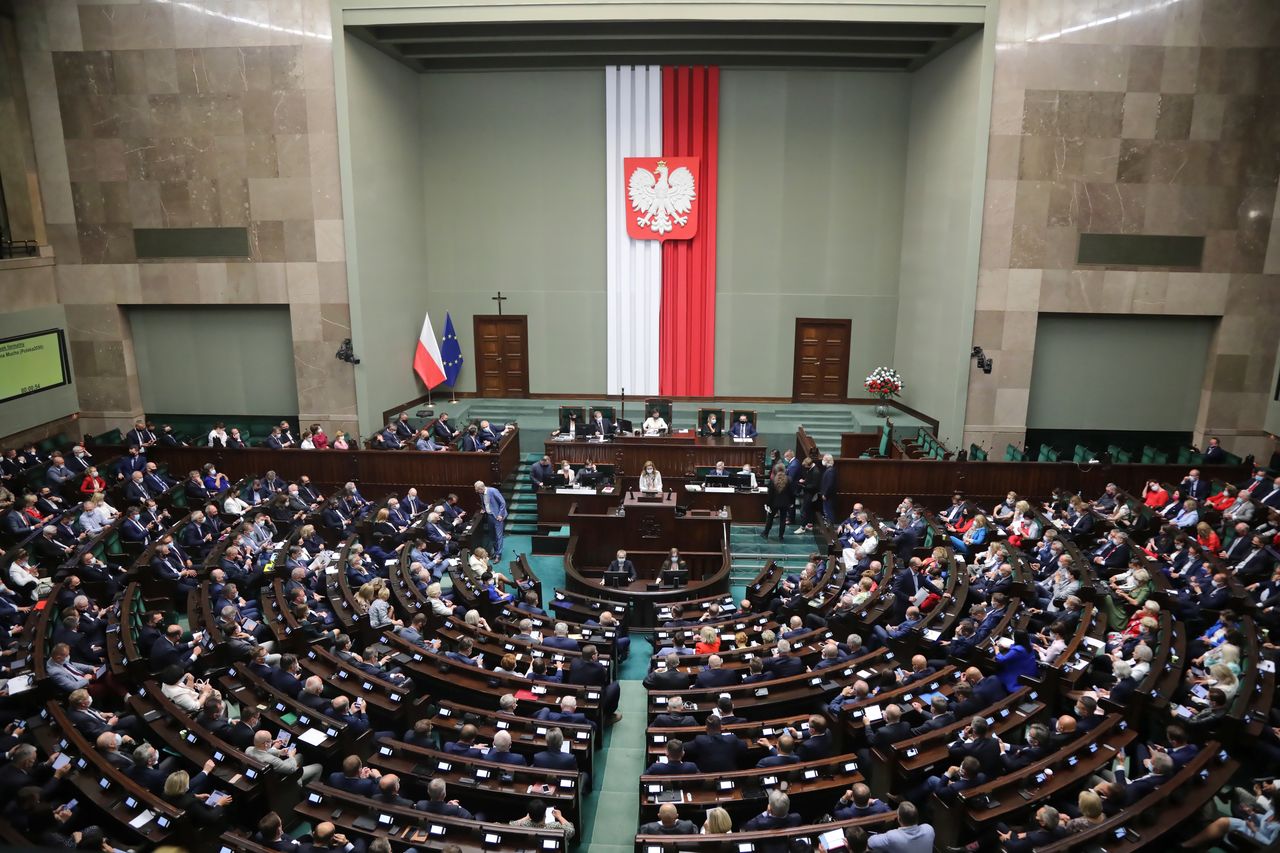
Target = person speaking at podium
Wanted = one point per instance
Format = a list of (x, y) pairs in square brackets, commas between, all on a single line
[(711, 427), (650, 479), (744, 428), (654, 424), (622, 566), (599, 426)]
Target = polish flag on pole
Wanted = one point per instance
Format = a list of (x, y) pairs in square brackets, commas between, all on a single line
[(426, 360)]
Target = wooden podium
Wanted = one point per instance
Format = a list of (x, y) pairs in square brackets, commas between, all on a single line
[(641, 524)]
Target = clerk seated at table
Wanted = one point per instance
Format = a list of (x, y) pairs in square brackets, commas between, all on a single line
[(570, 427), (590, 475), (711, 427), (743, 428), (714, 476), (654, 424), (749, 474), (622, 566), (674, 564), (650, 479), (599, 425)]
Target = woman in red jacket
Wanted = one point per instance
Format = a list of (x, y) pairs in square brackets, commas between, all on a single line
[(92, 484)]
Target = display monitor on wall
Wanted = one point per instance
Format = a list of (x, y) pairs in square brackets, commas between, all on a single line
[(32, 363)]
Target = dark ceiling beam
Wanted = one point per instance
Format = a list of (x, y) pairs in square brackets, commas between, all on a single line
[(833, 30), (709, 48)]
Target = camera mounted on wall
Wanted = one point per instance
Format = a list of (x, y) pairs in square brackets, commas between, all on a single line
[(347, 354)]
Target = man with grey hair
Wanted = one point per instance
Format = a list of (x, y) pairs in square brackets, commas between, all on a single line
[(501, 750), (561, 639), (507, 703), (777, 815), (280, 759), (674, 716), (667, 676), (437, 804)]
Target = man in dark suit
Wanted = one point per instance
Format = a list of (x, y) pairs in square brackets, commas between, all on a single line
[(782, 754), (471, 439), (669, 822), (501, 752), (938, 715), (588, 670), (622, 566), (784, 663), (599, 424), (568, 712), (1194, 487), (554, 757), (464, 745), (355, 778), (540, 472), (668, 678), (817, 743), (436, 803), (674, 716), (976, 741), (714, 675), (675, 765), (1037, 747), (1161, 768), (172, 650), (743, 428), (443, 432), (894, 729), (778, 815), (717, 751), (858, 802)]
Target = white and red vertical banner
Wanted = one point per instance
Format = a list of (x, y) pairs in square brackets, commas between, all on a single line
[(663, 140), (633, 113)]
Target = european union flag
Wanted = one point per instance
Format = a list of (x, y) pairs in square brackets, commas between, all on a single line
[(450, 352)]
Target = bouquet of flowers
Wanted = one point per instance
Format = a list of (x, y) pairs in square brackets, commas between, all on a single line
[(884, 382)]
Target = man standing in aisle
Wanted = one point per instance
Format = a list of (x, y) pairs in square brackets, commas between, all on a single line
[(493, 506)]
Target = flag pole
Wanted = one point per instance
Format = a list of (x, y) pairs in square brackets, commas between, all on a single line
[(453, 396)]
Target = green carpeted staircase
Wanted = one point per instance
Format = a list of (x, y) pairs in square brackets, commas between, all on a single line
[(522, 503), (748, 552), (824, 426)]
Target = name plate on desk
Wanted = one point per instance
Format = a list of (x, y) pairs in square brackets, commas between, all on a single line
[(573, 490), (728, 490), (740, 440)]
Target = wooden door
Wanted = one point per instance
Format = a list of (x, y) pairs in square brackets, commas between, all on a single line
[(821, 372), (502, 355)]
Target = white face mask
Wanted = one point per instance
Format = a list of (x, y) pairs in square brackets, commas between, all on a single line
[(648, 470), (675, 559)]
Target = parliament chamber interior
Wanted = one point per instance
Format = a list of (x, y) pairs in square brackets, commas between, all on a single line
[(397, 450)]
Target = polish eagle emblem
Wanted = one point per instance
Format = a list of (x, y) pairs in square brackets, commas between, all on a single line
[(662, 200)]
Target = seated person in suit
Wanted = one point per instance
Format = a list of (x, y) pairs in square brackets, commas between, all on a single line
[(675, 765), (387, 439), (667, 675), (444, 431), (501, 750), (778, 815), (654, 424), (744, 428), (714, 675), (710, 427), (436, 803), (783, 753), (599, 425), (621, 565), (568, 712), (669, 822), (674, 716), (554, 757), (858, 802)]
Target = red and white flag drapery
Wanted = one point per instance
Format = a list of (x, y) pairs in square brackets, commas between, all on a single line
[(661, 294), (426, 358)]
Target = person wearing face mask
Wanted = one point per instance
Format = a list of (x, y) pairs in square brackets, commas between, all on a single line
[(654, 424), (711, 427), (650, 479)]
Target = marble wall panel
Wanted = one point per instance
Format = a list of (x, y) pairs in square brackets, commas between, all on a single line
[(1135, 118), (152, 115)]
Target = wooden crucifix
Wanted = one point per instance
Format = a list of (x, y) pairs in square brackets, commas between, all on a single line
[(499, 299)]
